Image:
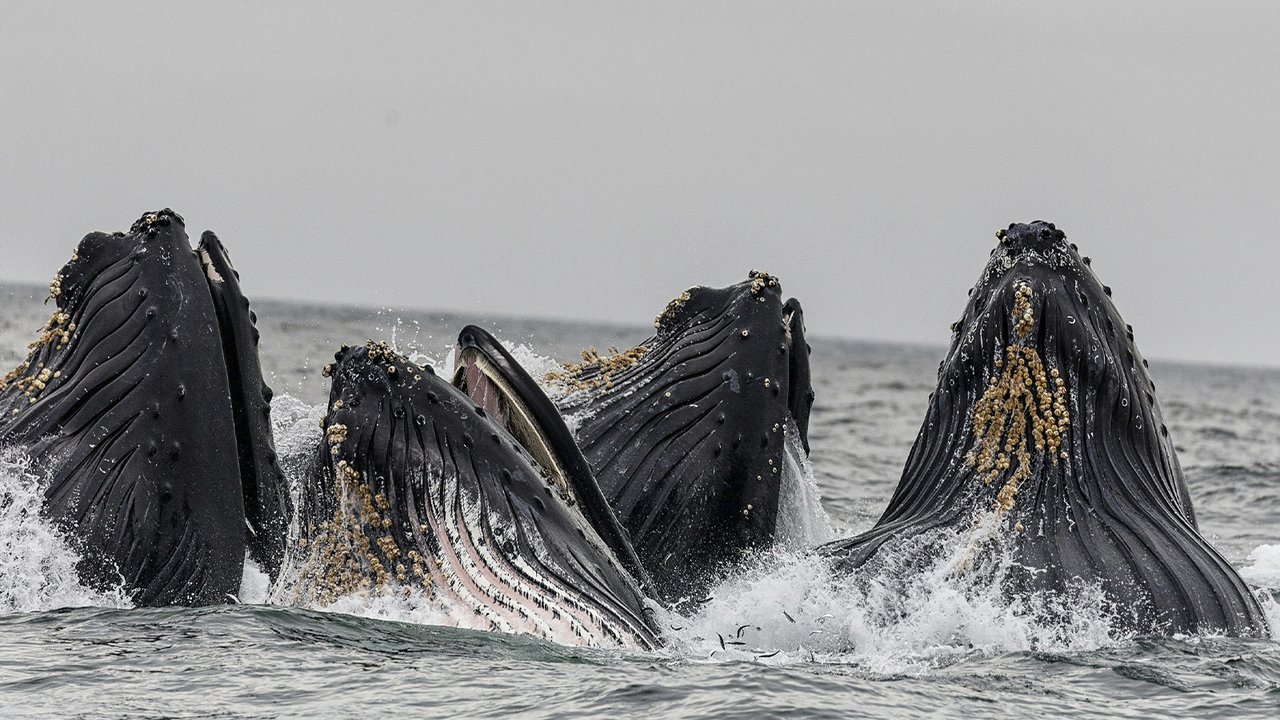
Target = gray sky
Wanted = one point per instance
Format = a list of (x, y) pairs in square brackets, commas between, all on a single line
[(591, 160)]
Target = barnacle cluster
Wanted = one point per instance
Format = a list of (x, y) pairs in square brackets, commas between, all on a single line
[(668, 313), (1022, 411), (761, 280), (29, 385), (56, 333), (29, 377), (598, 369), (336, 434), (379, 351), (354, 550)]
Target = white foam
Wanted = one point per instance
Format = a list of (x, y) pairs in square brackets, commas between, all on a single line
[(399, 604), (1263, 572), (911, 618), (537, 365), (296, 427), (802, 522), (1264, 567), (37, 564), (255, 584)]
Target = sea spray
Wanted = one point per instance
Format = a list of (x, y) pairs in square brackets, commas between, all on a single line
[(37, 563), (802, 522), (1263, 569), (396, 603), (925, 604), (1263, 572)]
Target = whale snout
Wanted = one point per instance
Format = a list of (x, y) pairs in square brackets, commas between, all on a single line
[(1038, 237)]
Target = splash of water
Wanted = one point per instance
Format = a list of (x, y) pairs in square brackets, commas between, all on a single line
[(255, 584), (296, 428), (37, 563), (802, 522), (1264, 567), (396, 603), (927, 604)]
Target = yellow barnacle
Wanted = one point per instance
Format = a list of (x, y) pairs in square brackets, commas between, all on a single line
[(1019, 411)]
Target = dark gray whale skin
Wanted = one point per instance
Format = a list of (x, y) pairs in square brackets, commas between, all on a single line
[(126, 402), (415, 485), (685, 433), (1046, 422)]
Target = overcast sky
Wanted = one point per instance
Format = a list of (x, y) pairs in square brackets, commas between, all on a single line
[(590, 160)]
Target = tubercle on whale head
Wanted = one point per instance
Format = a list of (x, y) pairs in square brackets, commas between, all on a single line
[(150, 222)]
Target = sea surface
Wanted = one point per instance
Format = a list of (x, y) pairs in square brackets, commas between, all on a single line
[(778, 638)]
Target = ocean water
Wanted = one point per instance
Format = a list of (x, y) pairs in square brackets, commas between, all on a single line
[(778, 637)]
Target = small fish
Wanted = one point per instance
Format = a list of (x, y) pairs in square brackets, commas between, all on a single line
[(788, 615), (676, 627), (721, 640), (743, 627), (734, 642), (761, 657)]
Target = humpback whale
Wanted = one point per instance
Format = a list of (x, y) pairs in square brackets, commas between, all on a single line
[(416, 486), (144, 399), (1045, 430), (685, 433)]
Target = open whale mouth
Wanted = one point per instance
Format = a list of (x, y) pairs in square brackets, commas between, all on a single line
[(487, 373), (495, 381)]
